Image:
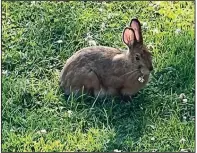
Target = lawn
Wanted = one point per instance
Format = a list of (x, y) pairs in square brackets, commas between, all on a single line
[(38, 37)]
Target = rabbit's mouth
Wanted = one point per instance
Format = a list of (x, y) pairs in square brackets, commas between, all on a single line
[(145, 71)]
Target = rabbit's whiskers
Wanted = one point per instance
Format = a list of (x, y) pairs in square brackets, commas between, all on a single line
[(131, 73), (135, 74)]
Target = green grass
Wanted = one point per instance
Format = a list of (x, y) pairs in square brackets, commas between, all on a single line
[(156, 119)]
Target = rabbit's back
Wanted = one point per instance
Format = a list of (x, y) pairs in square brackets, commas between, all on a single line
[(94, 57)]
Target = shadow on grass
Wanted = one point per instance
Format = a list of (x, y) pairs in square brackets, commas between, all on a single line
[(126, 119)]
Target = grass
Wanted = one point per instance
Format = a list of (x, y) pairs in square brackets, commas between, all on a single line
[(37, 117)]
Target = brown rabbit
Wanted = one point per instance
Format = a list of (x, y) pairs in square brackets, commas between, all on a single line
[(109, 71)]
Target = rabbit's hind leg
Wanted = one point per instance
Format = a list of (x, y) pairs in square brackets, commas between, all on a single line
[(92, 84), (81, 81)]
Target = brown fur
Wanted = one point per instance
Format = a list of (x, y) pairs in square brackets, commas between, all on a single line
[(106, 71)]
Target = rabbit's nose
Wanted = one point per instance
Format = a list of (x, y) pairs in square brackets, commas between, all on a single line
[(151, 68)]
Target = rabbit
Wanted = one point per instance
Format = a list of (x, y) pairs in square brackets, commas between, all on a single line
[(101, 70)]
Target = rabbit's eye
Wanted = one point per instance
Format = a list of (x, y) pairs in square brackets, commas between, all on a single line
[(137, 57)]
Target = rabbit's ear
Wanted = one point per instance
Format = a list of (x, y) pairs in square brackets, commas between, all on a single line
[(128, 36), (135, 25)]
